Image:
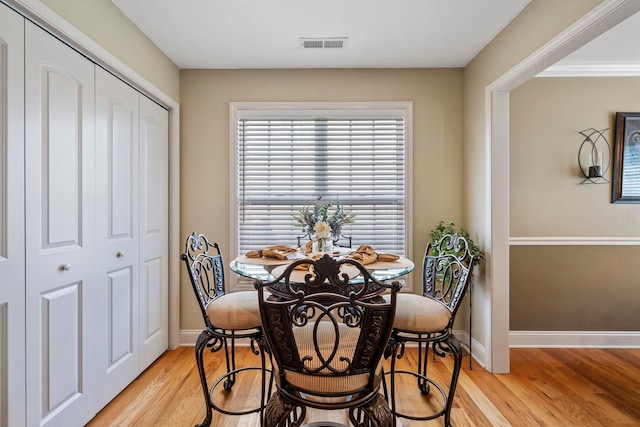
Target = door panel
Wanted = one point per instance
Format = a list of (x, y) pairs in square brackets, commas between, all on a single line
[(62, 283), (62, 346), (121, 319), (154, 179), (12, 260), (117, 134), (62, 162)]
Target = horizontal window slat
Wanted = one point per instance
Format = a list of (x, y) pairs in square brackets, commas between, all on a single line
[(285, 163)]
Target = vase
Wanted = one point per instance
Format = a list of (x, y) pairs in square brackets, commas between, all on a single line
[(322, 244)]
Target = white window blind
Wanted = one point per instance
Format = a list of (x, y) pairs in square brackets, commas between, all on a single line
[(286, 163)]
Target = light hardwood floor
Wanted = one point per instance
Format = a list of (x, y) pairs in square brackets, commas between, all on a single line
[(546, 387)]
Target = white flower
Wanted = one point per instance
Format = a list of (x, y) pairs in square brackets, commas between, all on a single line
[(322, 229)]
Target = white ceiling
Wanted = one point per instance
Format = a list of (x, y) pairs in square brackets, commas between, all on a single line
[(614, 53), (266, 34), (379, 34), (617, 46)]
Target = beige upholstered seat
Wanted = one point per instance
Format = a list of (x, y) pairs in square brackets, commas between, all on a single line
[(420, 315), (227, 317), (327, 338), (427, 319), (237, 310)]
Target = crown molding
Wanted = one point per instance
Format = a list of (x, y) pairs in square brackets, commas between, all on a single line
[(592, 70)]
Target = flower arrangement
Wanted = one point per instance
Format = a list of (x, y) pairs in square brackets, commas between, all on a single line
[(316, 220)]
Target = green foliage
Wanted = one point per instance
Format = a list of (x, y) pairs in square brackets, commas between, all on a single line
[(450, 228)]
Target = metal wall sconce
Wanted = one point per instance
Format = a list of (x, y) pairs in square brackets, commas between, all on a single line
[(594, 156)]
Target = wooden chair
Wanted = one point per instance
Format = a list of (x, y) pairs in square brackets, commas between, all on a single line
[(227, 317), (326, 337), (427, 319)]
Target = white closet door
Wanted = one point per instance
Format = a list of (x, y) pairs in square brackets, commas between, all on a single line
[(154, 179), (62, 282), (12, 397), (117, 195)]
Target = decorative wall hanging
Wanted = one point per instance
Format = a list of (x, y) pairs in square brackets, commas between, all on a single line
[(594, 156), (626, 159)]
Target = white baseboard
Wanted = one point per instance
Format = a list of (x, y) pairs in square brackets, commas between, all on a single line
[(478, 352), (574, 339), (188, 337)]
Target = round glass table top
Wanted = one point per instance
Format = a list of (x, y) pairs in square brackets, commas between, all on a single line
[(268, 268)]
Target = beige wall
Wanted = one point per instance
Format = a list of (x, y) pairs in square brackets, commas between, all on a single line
[(205, 97), (574, 288), (562, 287), (102, 21), (546, 197), (439, 124), (538, 23)]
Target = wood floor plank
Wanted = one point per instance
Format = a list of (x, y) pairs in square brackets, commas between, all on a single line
[(546, 387), (551, 387), (613, 381)]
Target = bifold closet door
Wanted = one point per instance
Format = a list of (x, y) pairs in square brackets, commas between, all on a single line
[(154, 226), (117, 219), (62, 280), (132, 218), (12, 334)]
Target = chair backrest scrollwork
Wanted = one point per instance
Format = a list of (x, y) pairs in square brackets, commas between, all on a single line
[(327, 327), (206, 271), (447, 270)]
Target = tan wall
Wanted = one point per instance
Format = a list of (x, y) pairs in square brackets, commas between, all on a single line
[(102, 21), (546, 197), (563, 287), (539, 22), (574, 288), (205, 97)]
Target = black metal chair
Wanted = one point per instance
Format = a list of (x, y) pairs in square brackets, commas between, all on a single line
[(326, 338), (427, 320), (227, 317)]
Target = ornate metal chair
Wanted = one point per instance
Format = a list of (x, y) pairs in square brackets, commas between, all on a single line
[(227, 317), (427, 319), (326, 338)]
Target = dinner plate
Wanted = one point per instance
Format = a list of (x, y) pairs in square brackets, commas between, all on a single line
[(299, 275)]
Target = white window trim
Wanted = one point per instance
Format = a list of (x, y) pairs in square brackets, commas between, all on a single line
[(239, 110)]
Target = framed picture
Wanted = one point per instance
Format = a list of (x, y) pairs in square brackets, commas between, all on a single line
[(626, 159)]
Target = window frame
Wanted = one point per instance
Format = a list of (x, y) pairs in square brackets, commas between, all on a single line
[(239, 110)]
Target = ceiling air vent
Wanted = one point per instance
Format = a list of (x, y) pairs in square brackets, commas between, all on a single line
[(323, 43)]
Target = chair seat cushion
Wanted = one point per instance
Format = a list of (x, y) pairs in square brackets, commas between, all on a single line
[(418, 314), (235, 311)]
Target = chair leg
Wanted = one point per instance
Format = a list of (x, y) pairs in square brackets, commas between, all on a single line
[(391, 397), (449, 345), (375, 413), (266, 388), (201, 344), (455, 348), (281, 412), (423, 359), (231, 363)]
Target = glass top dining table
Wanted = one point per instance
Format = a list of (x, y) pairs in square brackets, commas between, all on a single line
[(268, 269)]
